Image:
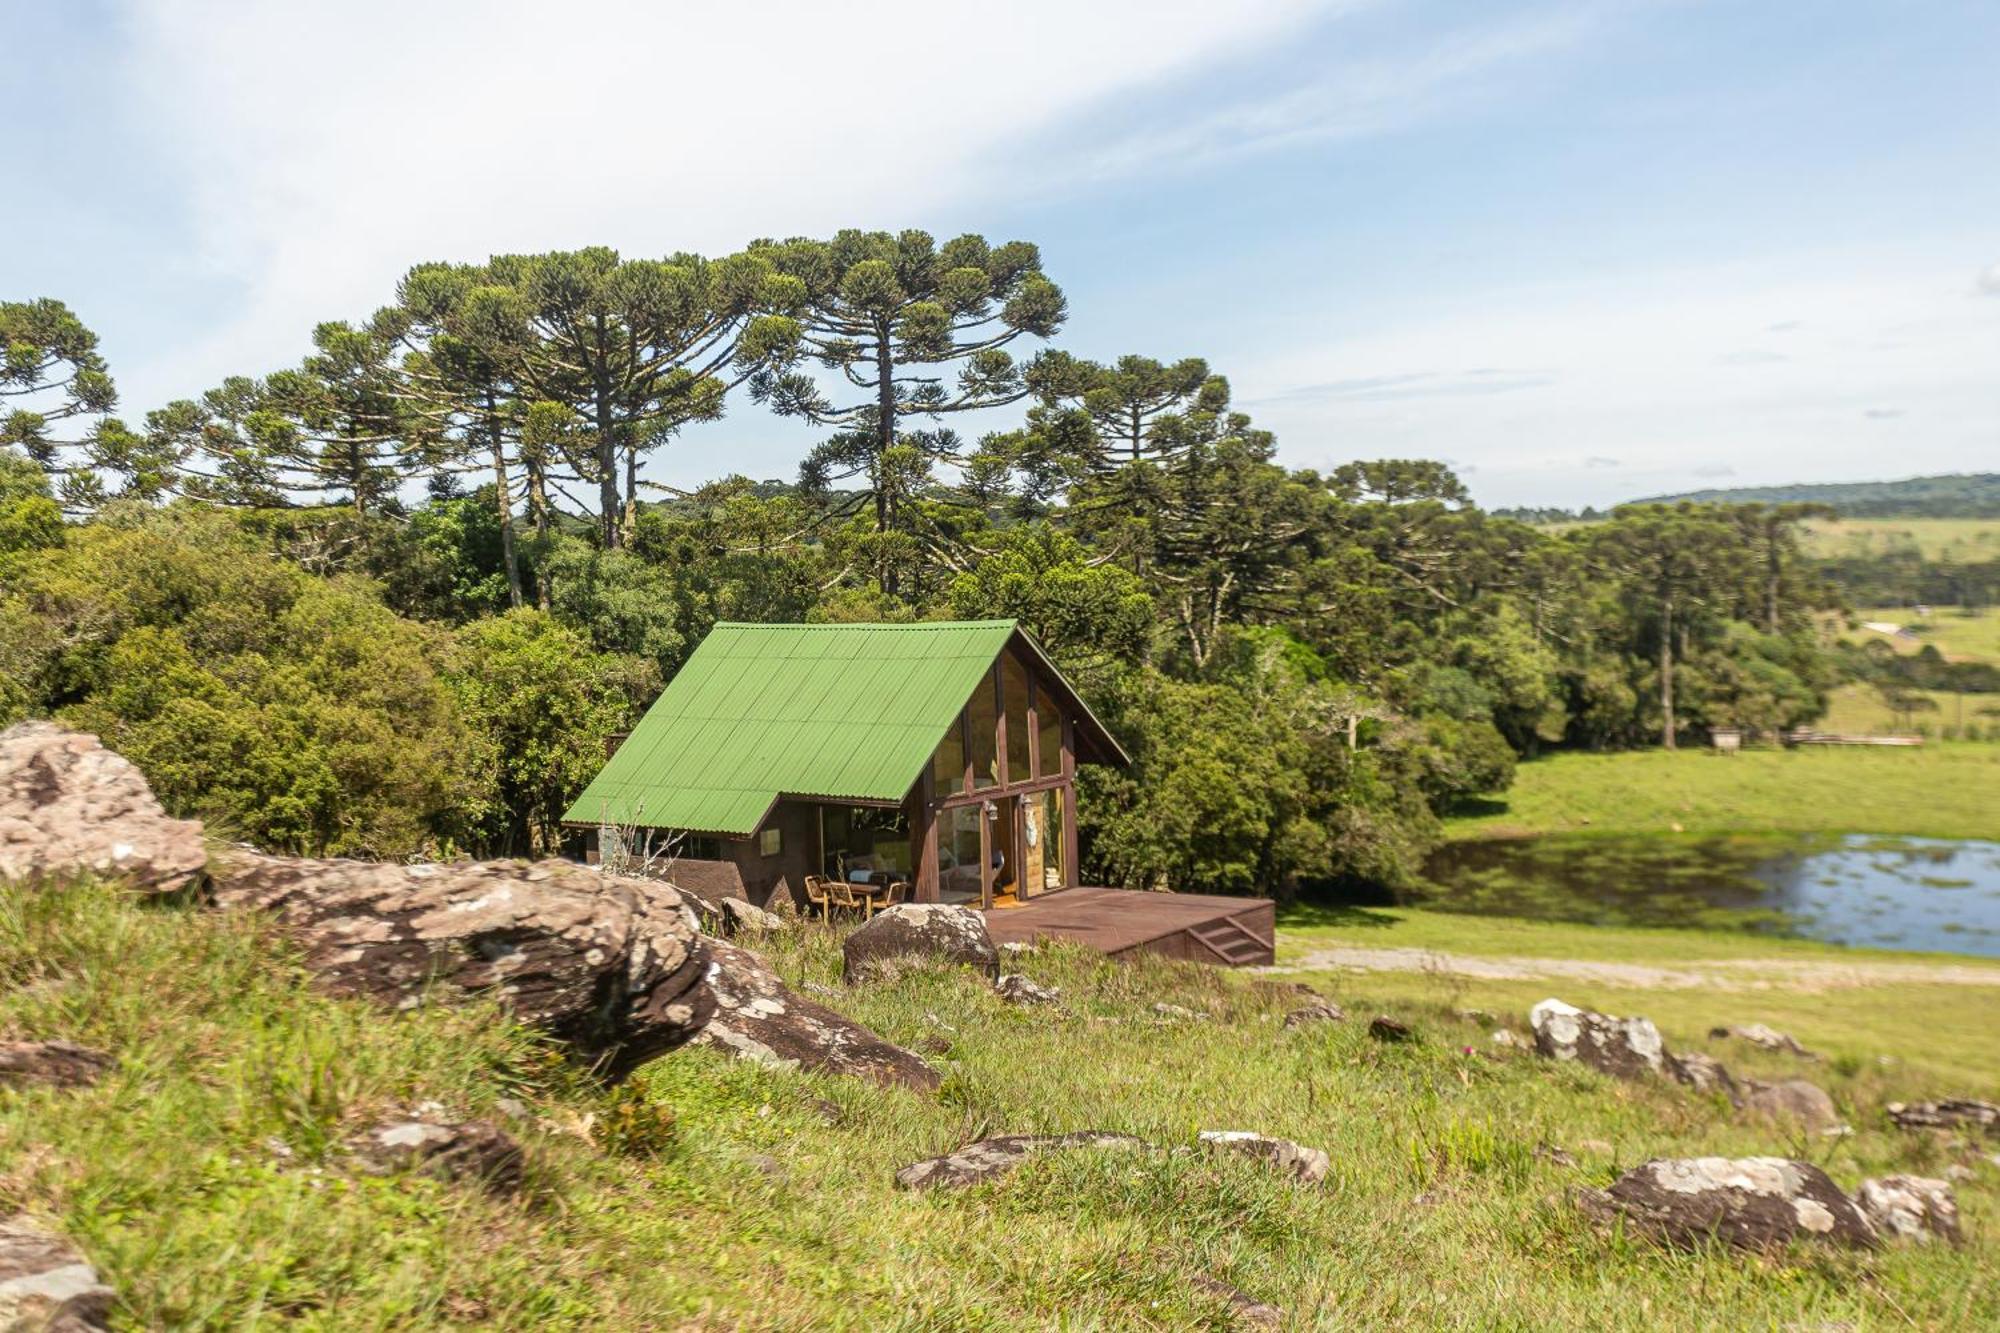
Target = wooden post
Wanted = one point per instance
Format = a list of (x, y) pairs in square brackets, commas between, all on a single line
[(920, 812), (1072, 873)]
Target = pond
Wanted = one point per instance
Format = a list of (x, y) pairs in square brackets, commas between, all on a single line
[(1888, 893)]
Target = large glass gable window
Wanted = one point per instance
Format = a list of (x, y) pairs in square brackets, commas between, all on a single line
[(1014, 700), (982, 726)]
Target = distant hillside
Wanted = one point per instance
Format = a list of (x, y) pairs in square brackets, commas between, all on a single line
[(1963, 495)]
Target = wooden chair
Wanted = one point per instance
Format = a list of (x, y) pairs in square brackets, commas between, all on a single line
[(898, 891), (818, 897)]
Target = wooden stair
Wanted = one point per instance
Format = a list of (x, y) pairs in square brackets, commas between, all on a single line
[(1231, 943)]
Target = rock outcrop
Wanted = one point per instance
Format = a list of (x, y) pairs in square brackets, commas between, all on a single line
[(612, 965), (1765, 1038), (1950, 1113), (69, 807), (1014, 988), (1319, 1011), (1306, 1165), (990, 1158), (1914, 1208), (917, 933), (1753, 1203), (46, 1285), (755, 1015), (1622, 1047), (1791, 1099), (51, 1064), (1703, 1073), (740, 917), (470, 1151), (1384, 1028)]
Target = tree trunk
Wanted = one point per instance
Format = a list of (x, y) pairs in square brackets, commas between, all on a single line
[(354, 475), (1667, 672), (630, 513), (503, 496), (885, 439), (1773, 569), (607, 447), (538, 514), (1137, 432)]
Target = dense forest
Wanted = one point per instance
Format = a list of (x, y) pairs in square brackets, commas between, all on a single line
[(1955, 495), (391, 600)]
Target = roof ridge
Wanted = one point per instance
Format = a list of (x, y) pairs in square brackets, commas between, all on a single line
[(869, 624)]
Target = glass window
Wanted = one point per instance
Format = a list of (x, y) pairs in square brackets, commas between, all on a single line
[(1054, 869), (948, 764), (771, 842), (861, 840), (1014, 700), (958, 853), (1048, 743), (982, 726)]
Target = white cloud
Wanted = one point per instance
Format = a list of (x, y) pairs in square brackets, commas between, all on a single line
[(1988, 281), (1630, 369), (328, 146)]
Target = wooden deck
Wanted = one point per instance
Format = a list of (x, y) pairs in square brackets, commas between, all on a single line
[(1200, 928)]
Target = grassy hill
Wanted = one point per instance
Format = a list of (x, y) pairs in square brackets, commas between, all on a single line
[(206, 1181), (1957, 495)]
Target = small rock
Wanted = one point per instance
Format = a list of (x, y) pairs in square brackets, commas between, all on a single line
[(1703, 1073), (1322, 1011), (1307, 1165), (766, 1165), (1752, 1203), (1621, 1047), (1958, 1173), (51, 1064), (934, 1045), (1019, 948), (741, 917), (990, 1158), (474, 1150), (1247, 1311), (919, 932), (1549, 1152), (1792, 1099), (1509, 1040), (1950, 1113), (1910, 1207), (828, 1110), (1383, 1028), (46, 1284), (1766, 1038), (1013, 988), (1177, 1012)]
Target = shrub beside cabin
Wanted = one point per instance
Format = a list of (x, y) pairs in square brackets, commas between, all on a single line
[(940, 754)]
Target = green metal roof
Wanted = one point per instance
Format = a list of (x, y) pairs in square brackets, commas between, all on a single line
[(763, 711)]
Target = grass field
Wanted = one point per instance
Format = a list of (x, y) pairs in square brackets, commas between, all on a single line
[(1941, 790), (1959, 636), (204, 1177), (1937, 538)]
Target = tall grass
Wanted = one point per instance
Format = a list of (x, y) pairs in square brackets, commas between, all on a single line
[(207, 1180)]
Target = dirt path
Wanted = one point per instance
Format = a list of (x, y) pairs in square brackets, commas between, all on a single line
[(1713, 974)]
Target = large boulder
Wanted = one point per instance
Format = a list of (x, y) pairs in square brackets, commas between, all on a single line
[(612, 965), (919, 933), (1622, 1047), (51, 1064), (757, 1016), (45, 1284), (70, 807), (1950, 1113), (1910, 1207), (988, 1159), (741, 917), (1306, 1165), (1754, 1203)]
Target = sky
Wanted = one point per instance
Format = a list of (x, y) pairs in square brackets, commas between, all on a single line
[(1583, 252)]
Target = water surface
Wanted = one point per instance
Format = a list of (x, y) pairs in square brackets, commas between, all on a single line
[(1926, 894)]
